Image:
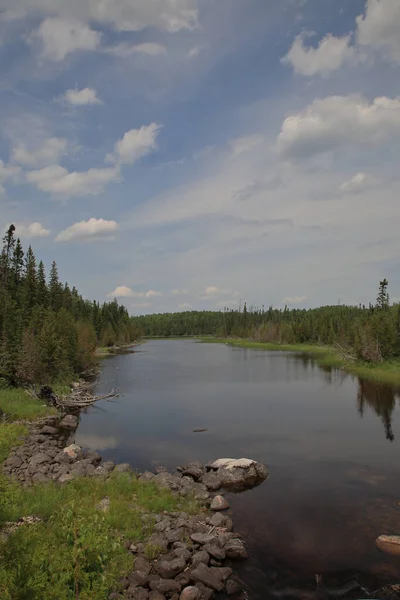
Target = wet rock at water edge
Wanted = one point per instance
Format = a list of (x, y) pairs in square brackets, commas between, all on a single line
[(390, 544), (211, 481), (219, 503), (207, 576), (69, 422), (238, 473), (73, 451), (190, 593), (193, 469), (235, 549)]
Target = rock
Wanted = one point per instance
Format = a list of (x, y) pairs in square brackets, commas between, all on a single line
[(160, 469), (190, 593), (211, 481), (104, 506), (163, 524), (168, 481), (232, 587), (174, 536), (108, 466), (138, 578), (235, 549), (390, 544), (205, 575), (200, 557), (198, 490), (73, 451), (217, 520), (170, 569), (215, 551), (202, 538), (156, 539), (40, 478), (69, 422), (48, 430), (137, 593), (156, 596), (94, 457), (146, 476), (182, 553), (65, 478), (165, 586), (123, 468), (239, 473), (193, 469), (13, 463), (39, 459), (222, 572), (219, 503), (206, 593), (142, 565)]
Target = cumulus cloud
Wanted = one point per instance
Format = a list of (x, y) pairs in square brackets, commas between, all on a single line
[(32, 230), (330, 54), (124, 15), (123, 291), (379, 27), (6, 172), (294, 300), (50, 151), (135, 144), (185, 306), (92, 229), (59, 181), (125, 50), (82, 97), (359, 183), (59, 37), (246, 143), (336, 121)]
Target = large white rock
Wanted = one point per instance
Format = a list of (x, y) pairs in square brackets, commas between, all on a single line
[(239, 473), (232, 463)]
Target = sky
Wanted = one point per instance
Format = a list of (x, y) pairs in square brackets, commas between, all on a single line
[(197, 154)]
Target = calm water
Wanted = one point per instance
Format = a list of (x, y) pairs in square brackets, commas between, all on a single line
[(328, 439)]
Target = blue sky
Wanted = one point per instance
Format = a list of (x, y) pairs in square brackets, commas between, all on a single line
[(186, 154)]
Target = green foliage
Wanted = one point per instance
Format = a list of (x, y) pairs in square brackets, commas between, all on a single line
[(48, 332), (17, 405), (76, 550)]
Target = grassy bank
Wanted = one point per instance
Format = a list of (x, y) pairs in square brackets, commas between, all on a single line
[(325, 356)]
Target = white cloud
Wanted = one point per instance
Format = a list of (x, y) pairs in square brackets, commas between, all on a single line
[(123, 291), (179, 292), (125, 15), (359, 183), (185, 306), (135, 144), (331, 54), (246, 143), (33, 230), (211, 292), (124, 50), (58, 180), (294, 300), (60, 37), (6, 172), (338, 121), (49, 152), (379, 27), (92, 229), (82, 97)]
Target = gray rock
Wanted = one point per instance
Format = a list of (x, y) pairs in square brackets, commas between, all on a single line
[(232, 587), (104, 506), (138, 578), (69, 422), (73, 451), (174, 536), (219, 503), (215, 551), (193, 469), (211, 481), (137, 593), (222, 572), (40, 478), (142, 565), (200, 557), (190, 593), (156, 539), (182, 553), (160, 469), (39, 459), (239, 473), (65, 478), (156, 596), (202, 538), (94, 457), (205, 575), (165, 586), (48, 430), (63, 458), (123, 468), (168, 481), (206, 593), (13, 463), (162, 525), (217, 520), (146, 476), (170, 569), (235, 549)]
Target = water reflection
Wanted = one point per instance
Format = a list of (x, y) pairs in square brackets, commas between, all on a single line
[(381, 398)]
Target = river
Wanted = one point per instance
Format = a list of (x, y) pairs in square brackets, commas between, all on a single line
[(328, 439)]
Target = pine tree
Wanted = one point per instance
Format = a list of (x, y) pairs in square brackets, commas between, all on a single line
[(17, 265), (382, 300), (7, 251), (30, 283), (55, 288), (42, 291)]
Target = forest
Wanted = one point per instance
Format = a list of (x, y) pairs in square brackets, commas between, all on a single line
[(370, 333), (48, 332)]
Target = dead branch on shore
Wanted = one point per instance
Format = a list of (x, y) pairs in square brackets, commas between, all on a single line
[(345, 353), (80, 396)]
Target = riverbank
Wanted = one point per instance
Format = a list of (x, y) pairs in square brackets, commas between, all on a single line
[(103, 351), (325, 356), (74, 526)]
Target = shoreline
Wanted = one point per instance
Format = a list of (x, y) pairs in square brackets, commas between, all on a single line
[(324, 356)]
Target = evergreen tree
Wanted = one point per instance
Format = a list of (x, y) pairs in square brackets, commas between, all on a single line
[(42, 291), (55, 288), (30, 283), (382, 300)]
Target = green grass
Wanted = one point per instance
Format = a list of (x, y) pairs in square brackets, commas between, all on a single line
[(11, 435), (77, 550), (18, 405), (325, 356)]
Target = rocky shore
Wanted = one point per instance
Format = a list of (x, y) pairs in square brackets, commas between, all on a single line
[(192, 557)]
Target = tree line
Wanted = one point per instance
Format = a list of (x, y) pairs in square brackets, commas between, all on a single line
[(48, 332), (370, 333)]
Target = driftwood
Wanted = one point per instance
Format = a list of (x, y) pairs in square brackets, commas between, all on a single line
[(80, 396)]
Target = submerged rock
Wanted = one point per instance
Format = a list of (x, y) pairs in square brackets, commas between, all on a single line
[(389, 544)]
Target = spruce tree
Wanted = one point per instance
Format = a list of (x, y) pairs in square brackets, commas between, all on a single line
[(30, 283), (42, 291)]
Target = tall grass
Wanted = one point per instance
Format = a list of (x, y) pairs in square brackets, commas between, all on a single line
[(17, 405)]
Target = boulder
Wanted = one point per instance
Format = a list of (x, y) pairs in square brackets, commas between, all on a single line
[(200, 557), (69, 422), (215, 551), (202, 538), (211, 481), (146, 476), (165, 586), (217, 520), (207, 576), (390, 544), (170, 569), (194, 469), (137, 593), (142, 565), (40, 478), (39, 459), (235, 549), (73, 451), (190, 593), (48, 430), (239, 473), (156, 596), (123, 468), (65, 478), (94, 457), (138, 579), (219, 503)]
